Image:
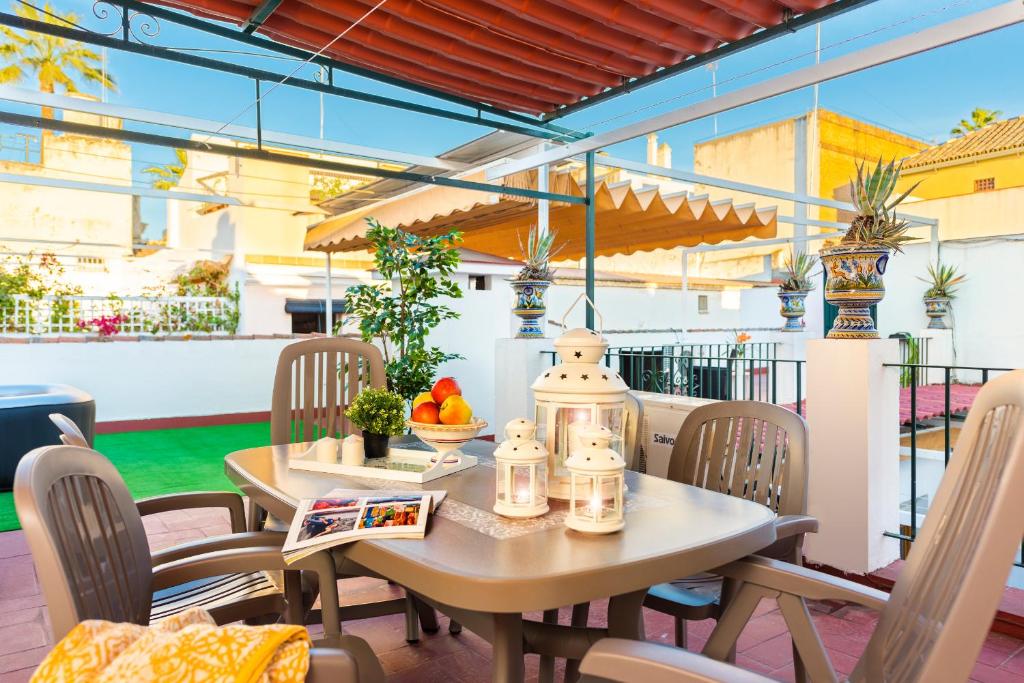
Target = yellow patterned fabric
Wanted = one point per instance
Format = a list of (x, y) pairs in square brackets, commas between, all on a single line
[(185, 647)]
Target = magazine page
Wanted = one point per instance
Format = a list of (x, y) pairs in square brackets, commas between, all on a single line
[(343, 516)]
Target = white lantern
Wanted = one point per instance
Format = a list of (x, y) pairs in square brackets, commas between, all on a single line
[(522, 480), (596, 474), (573, 394)]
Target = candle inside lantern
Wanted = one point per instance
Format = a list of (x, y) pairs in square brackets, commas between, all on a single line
[(521, 465)]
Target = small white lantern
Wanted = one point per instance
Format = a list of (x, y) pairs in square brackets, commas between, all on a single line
[(577, 392), (522, 477), (596, 474)]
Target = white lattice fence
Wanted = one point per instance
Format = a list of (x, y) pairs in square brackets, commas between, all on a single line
[(22, 314)]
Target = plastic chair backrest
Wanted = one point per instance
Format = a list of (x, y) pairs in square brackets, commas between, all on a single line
[(316, 380), (86, 537), (948, 591), (747, 449)]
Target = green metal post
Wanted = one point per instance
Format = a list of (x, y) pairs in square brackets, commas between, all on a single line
[(591, 244)]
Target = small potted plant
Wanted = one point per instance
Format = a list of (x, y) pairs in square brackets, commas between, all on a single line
[(942, 280), (532, 282), (794, 289), (380, 414), (855, 266)]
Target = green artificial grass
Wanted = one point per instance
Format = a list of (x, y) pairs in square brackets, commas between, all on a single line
[(167, 460)]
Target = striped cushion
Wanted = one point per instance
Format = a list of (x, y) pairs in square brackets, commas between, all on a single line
[(211, 592)]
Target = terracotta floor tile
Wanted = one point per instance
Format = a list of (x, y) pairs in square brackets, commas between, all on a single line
[(22, 637), (760, 629), (17, 676), (776, 652), (989, 674), (13, 544), (1003, 650), (24, 659)]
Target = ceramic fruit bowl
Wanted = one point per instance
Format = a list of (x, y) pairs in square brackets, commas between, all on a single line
[(444, 438)]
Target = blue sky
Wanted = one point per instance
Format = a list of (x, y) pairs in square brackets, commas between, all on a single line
[(923, 96)]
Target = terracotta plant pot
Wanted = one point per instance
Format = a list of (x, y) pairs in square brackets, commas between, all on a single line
[(530, 306), (854, 284), (375, 445), (936, 308), (793, 308)]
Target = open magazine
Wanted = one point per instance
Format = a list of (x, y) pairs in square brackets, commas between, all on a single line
[(346, 515)]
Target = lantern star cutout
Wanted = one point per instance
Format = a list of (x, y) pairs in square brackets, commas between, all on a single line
[(584, 377), (579, 354), (564, 376)]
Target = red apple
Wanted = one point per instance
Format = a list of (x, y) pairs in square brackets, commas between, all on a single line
[(426, 412), (443, 388)]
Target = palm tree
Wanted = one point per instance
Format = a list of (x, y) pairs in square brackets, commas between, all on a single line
[(979, 119), (55, 63), (168, 175)]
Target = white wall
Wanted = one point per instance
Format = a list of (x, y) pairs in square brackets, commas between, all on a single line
[(142, 380), (988, 331)]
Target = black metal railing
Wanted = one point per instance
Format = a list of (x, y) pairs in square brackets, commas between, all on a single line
[(936, 380), (750, 371), (913, 351)]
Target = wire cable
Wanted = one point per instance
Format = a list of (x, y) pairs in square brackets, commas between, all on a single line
[(297, 69)]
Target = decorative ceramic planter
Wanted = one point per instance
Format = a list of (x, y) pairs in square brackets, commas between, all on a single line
[(936, 308), (530, 306), (793, 309), (375, 445), (854, 284)]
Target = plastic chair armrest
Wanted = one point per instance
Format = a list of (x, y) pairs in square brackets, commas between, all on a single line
[(197, 499), (252, 559), (614, 659), (247, 539), (801, 581), (792, 525)]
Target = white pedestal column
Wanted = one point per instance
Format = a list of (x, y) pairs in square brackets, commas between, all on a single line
[(517, 363), (853, 415)]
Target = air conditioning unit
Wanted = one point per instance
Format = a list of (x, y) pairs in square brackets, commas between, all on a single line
[(663, 415)]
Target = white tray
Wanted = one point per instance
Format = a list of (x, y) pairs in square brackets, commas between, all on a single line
[(402, 464)]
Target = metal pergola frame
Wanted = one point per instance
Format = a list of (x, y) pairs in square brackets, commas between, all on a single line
[(583, 144)]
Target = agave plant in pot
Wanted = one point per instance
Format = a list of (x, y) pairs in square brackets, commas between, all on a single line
[(532, 282), (942, 280), (854, 268), (794, 289)]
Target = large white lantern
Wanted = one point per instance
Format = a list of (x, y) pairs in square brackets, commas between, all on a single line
[(596, 483), (521, 479), (577, 392)]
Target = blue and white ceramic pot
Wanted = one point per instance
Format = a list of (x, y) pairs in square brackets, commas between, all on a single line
[(793, 309), (530, 306), (936, 308), (854, 284)]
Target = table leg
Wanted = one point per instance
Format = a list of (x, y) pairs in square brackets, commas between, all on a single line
[(580, 616), (546, 672), (625, 615), (507, 662)]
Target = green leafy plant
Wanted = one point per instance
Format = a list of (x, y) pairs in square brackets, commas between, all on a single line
[(537, 254), (378, 411), (979, 119), (942, 280), (35, 277), (54, 63), (798, 272), (876, 223), (166, 176), (401, 312)]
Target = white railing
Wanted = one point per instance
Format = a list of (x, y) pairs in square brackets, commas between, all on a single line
[(22, 314)]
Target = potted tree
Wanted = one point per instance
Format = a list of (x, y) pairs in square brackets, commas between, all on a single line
[(942, 280), (854, 268), (794, 289), (532, 282), (400, 312), (380, 413)]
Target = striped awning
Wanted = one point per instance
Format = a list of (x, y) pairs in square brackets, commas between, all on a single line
[(628, 219)]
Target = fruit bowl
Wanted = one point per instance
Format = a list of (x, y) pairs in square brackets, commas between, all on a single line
[(445, 438)]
